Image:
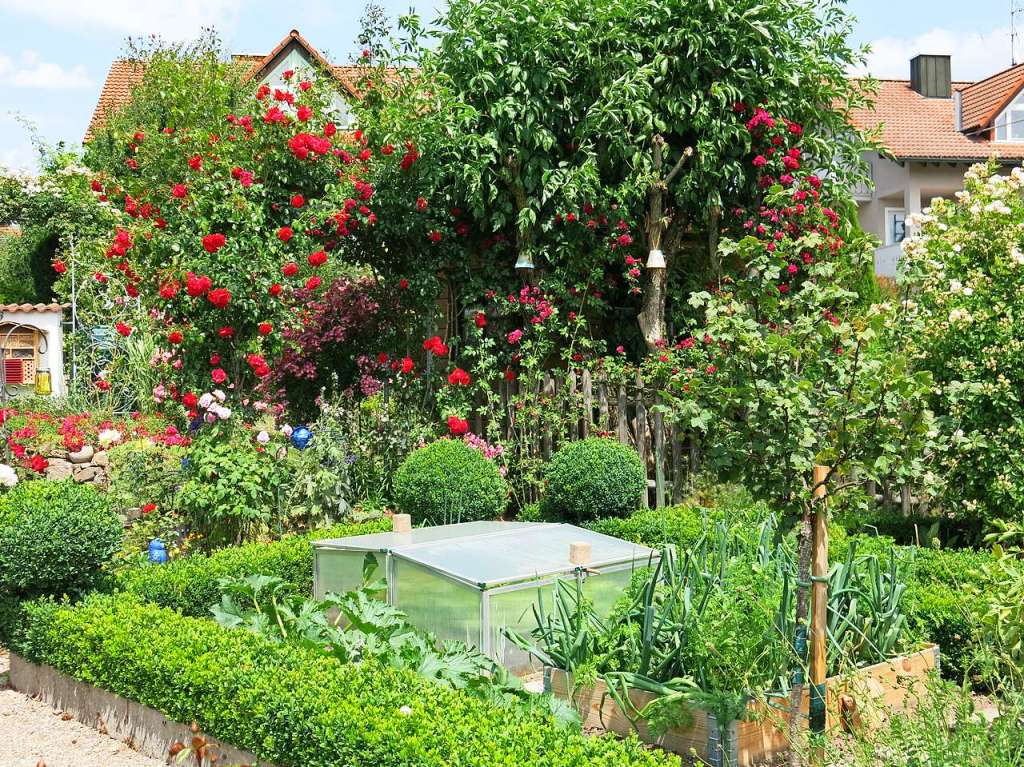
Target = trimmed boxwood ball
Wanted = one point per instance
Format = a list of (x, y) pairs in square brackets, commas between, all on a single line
[(55, 538), (596, 477), (447, 482)]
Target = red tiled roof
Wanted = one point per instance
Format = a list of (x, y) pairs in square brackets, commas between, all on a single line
[(985, 99), (124, 75), (913, 127)]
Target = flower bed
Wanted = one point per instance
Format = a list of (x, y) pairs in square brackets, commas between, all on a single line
[(295, 706), (762, 735)]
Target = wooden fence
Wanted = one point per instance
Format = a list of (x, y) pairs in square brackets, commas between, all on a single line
[(565, 407)]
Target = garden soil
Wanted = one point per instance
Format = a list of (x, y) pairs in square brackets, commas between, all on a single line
[(33, 734)]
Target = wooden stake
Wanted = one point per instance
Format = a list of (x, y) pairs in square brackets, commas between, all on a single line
[(819, 603), (579, 553)]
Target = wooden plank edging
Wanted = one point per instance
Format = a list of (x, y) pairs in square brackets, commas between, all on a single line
[(140, 727), (761, 737)]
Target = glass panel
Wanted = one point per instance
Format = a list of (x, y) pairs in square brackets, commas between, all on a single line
[(518, 554), (339, 571), (1016, 123), (514, 610), (605, 588), (389, 541), (437, 604)]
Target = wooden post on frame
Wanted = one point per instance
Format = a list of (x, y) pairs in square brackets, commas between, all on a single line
[(819, 603)]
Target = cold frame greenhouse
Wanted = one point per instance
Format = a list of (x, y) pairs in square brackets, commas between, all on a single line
[(473, 580)]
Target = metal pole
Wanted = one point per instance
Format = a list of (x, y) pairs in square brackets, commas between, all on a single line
[(819, 603)]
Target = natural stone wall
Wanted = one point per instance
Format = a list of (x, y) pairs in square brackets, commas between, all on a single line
[(85, 465)]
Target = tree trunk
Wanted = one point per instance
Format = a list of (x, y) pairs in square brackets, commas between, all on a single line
[(652, 314), (800, 641)]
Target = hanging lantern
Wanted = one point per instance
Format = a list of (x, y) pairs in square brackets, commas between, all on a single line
[(301, 437), (44, 387), (525, 261), (656, 260), (157, 552)]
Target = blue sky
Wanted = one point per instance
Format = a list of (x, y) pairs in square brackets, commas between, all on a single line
[(55, 53)]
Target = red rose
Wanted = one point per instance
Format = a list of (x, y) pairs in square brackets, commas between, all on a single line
[(218, 375), (59, 267), (457, 426), (132, 291), (175, 337), (510, 374), (387, 149), (298, 201), (459, 377), (168, 290), (195, 162), (290, 269), (382, 358), (189, 400), (220, 297), (304, 113), (226, 332), (434, 236), (407, 365), (481, 320), (265, 328), (313, 283), (149, 508), (330, 129), (285, 233), (179, 191), (421, 204), (317, 259), (305, 85), (214, 359), (96, 186), (403, 284), (274, 290), (213, 242), (122, 329), (196, 285), (38, 464)]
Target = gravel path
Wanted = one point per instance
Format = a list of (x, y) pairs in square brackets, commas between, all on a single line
[(34, 735)]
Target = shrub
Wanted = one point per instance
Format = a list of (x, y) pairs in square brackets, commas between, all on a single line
[(594, 477), (448, 481), (55, 537), (296, 706), (680, 525), (190, 584)]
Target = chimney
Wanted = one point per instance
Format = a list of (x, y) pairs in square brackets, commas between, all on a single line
[(930, 76)]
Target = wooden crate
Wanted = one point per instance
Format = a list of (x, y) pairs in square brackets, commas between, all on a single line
[(761, 737)]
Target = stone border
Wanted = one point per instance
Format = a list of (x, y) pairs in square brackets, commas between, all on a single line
[(142, 728)]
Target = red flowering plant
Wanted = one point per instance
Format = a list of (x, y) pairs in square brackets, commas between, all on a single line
[(230, 231)]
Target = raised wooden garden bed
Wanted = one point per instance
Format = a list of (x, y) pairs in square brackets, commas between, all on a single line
[(761, 737)]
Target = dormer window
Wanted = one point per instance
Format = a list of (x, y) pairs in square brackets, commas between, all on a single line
[(1009, 125)]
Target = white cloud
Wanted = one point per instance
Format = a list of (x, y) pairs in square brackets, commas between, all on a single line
[(974, 55), (173, 19), (30, 71)]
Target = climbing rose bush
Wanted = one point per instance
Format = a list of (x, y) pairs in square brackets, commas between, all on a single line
[(228, 237), (968, 258)]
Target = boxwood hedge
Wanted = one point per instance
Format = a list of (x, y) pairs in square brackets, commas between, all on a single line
[(295, 706), (189, 584)]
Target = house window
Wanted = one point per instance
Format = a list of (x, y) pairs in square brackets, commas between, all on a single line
[(895, 225), (1010, 122)]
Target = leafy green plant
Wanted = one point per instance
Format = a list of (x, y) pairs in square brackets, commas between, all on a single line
[(55, 538), (358, 627), (1002, 606), (449, 481), (596, 477), (230, 490), (293, 705)]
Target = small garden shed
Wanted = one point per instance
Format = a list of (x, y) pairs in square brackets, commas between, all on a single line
[(471, 581)]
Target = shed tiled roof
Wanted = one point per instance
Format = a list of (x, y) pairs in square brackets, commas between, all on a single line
[(913, 127), (125, 74), (10, 308)]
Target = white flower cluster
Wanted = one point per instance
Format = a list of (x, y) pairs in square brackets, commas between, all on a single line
[(8, 477), (108, 437), (212, 403)]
